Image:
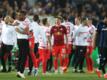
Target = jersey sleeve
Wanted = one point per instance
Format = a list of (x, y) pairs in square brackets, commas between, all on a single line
[(31, 27), (94, 28), (76, 33), (43, 35), (15, 38), (65, 30), (48, 32), (98, 29), (51, 30)]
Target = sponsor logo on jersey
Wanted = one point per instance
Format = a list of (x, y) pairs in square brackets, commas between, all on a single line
[(104, 29)]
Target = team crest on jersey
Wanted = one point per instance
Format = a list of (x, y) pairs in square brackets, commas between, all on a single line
[(59, 33)]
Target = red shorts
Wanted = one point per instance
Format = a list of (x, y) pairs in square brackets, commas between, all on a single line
[(90, 49), (44, 54), (48, 53), (69, 50), (31, 42), (58, 50)]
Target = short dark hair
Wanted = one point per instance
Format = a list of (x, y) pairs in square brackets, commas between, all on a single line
[(36, 17), (22, 12), (44, 21), (65, 17), (1, 15)]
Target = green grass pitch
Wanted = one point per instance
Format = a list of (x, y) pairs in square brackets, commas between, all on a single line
[(66, 76)]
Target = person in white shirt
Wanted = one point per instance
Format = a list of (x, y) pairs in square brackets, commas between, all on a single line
[(69, 26), (82, 35), (26, 22), (76, 26), (22, 30), (92, 30), (49, 51), (35, 29), (44, 44), (8, 37), (29, 56), (40, 35)]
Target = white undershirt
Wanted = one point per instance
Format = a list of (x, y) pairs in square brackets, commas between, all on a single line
[(69, 26), (8, 35), (21, 27), (73, 33), (81, 36), (44, 33), (35, 27)]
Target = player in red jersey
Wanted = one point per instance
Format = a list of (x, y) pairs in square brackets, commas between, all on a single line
[(59, 47)]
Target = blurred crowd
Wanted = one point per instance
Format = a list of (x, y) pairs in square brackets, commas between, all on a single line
[(94, 8)]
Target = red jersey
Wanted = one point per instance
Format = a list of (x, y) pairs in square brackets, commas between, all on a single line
[(58, 33)]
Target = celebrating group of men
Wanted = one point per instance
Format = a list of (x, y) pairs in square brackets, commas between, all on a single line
[(38, 41)]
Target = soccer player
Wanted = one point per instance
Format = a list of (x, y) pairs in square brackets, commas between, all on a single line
[(23, 43), (69, 26), (8, 37), (101, 33), (59, 47), (81, 36), (47, 26), (44, 44), (92, 30), (1, 24), (29, 61), (76, 26), (35, 28)]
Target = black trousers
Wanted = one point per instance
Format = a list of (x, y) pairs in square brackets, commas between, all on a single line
[(74, 57), (6, 50), (24, 51), (70, 56), (36, 48), (103, 58), (49, 63), (80, 56), (30, 62)]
